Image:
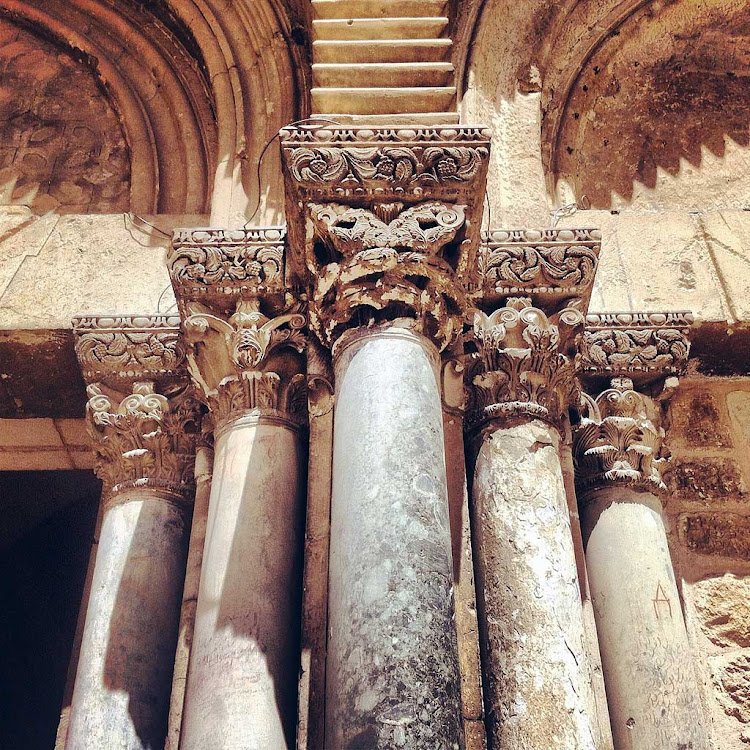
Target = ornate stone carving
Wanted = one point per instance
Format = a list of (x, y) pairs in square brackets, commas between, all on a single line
[(216, 265), (143, 439), (524, 364), (122, 348), (241, 365), (388, 219), (392, 266), (639, 345), (619, 440), (543, 263)]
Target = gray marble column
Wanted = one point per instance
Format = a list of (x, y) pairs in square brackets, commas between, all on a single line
[(121, 695), (242, 677), (537, 674), (392, 667), (652, 689)]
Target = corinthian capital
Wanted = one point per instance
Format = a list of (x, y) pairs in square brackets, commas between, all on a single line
[(524, 365), (619, 440), (385, 221)]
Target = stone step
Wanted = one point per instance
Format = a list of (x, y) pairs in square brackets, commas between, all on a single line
[(380, 28), (377, 8), (382, 51), (434, 119), (348, 75), (384, 100)]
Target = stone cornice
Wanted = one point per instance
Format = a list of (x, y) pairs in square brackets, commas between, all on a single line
[(119, 349), (644, 346), (549, 265)]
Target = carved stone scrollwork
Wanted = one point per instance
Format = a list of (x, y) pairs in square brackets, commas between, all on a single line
[(543, 263), (619, 441), (639, 345), (242, 365), (524, 364)]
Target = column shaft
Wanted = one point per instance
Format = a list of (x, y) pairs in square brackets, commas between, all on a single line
[(121, 696), (648, 669), (537, 681), (392, 666), (242, 680)]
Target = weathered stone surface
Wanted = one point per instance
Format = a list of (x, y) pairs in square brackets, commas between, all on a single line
[(724, 534), (697, 422), (538, 687), (732, 682), (738, 405), (392, 676), (723, 606), (705, 480)]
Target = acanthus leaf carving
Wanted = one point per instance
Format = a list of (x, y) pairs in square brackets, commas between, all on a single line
[(524, 365)]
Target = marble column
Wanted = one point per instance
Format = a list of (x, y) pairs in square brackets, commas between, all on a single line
[(144, 448), (242, 678), (537, 676), (392, 666), (651, 685)]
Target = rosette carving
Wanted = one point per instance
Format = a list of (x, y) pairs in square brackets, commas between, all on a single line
[(619, 440), (524, 365), (143, 439), (382, 268)]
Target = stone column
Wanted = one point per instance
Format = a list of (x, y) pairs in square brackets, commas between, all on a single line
[(388, 221), (538, 690), (242, 678), (144, 456), (651, 686)]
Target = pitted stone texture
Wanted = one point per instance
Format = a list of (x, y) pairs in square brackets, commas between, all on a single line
[(721, 534), (538, 688), (649, 674), (723, 606), (697, 420), (242, 677), (732, 681), (738, 405), (121, 696), (392, 666), (710, 481)]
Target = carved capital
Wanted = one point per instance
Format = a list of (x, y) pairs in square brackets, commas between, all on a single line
[(642, 346), (547, 264), (619, 440), (524, 366), (385, 222), (248, 362), (143, 438)]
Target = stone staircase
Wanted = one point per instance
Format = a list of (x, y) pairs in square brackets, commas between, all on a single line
[(383, 61)]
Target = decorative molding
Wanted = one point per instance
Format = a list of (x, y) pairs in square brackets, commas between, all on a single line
[(539, 263), (216, 266), (390, 266), (524, 366), (123, 348), (143, 439), (619, 441), (638, 345), (242, 364)]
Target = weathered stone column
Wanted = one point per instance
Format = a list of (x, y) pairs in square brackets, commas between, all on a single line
[(387, 297), (648, 667), (538, 690), (242, 677), (144, 444)]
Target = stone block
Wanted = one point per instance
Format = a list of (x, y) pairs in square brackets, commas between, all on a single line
[(723, 606), (705, 480), (696, 420), (738, 405), (29, 432), (721, 534), (732, 683)]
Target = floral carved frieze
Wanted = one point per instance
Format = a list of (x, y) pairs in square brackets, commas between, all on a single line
[(619, 440), (217, 265), (539, 263), (638, 345), (524, 364), (142, 438), (123, 348)]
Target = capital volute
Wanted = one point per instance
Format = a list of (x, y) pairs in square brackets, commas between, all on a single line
[(523, 363)]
